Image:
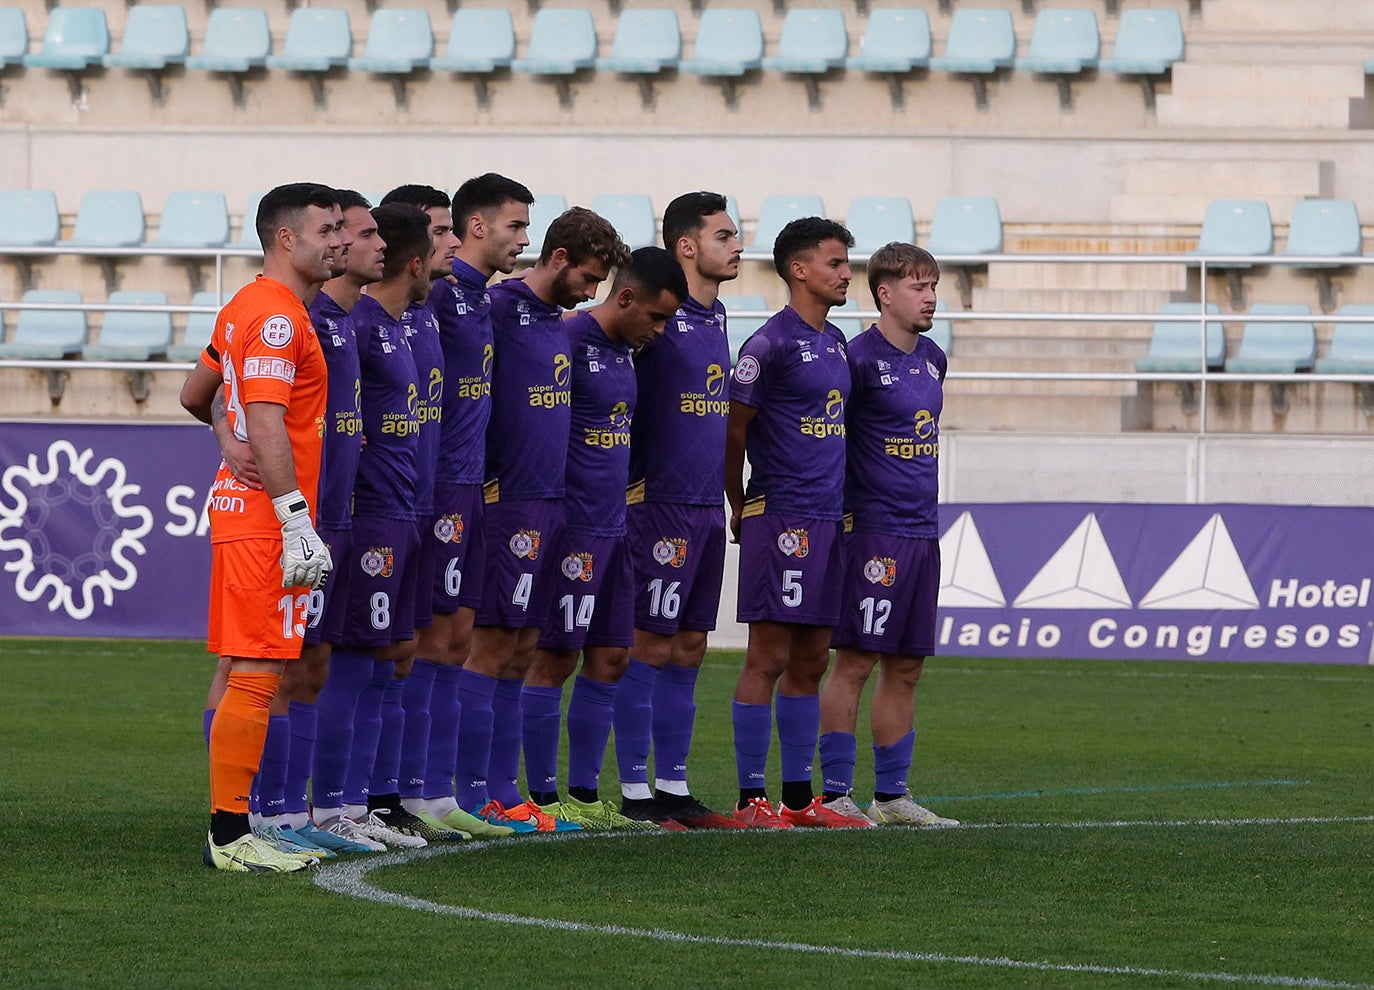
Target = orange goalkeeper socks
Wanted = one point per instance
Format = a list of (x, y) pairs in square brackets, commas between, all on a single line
[(236, 739)]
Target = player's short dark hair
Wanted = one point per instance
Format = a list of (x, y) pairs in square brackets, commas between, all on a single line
[(349, 198), (687, 213), (283, 206), (423, 197), (405, 229), (805, 234), (585, 235), (896, 261), (653, 269), (489, 191)]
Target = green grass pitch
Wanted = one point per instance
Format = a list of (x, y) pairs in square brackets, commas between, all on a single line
[(1133, 825)]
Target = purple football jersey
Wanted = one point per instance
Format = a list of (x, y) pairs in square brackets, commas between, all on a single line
[(527, 438), (677, 451), (464, 314), (391, 421), (603, 406), (892, 474), (422, 333), (343, 420), (798, 380)]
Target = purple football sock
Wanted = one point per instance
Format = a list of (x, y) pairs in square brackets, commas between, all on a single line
[(386, 770), (506, 733), (838, 753), (891, 764), (276, 751), (475, 693), (446, 714), (206, 718), (417, 700), (799, 725), (539, 711), (349, 673), (591, 710), (753, 734), (675, 712), (303, 719), (367, 730), (633, 716)]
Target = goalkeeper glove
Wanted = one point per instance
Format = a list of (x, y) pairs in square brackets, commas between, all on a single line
[(305, 559)]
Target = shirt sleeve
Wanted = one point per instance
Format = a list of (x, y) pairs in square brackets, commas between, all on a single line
[(753, 372), (270, 350)]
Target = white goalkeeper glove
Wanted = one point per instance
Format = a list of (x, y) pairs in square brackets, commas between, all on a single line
[(305, 559)]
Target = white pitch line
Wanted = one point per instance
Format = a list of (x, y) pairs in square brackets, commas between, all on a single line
[(350, 879)]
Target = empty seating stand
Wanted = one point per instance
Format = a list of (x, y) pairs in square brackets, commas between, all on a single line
[(544, 211), (776, 213), (248, 234), (632, 216), (940, 329), (738, 328), (1148, 43), (1065, 44), (729, 46), (48, 334), (878, 220), (562, 44), (193, 219), (963, 226), (1179, 347), (1236, 227), (647, 44), (237, 43), (132, 335), (76, 39), (1328, 228), (895, 44), (400, 42), (814, 43), (109, 218), (14, 37), (844, 319), (1280, 347), (319, 41), (199, 327), (1352, 351), (982, 43), (155, 39), (28, 219), (481, 44)]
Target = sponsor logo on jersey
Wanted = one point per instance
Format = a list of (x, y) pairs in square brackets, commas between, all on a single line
[(881, 570), (525, 544), (449, 528), (671, 551), (747, 370), (934, 371), (562, 366), (277, 331), (378, 562), (577, 567), (794, 542)]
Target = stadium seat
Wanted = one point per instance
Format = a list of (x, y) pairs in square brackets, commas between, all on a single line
[(941, 330), (76, 39), (544, 211), (400, 42), (1352, 351), (1148, 43), (193, 219), (1175, 346), (248, 234), (895, 44), (109, 219), (814, 42), (319, 40), (1280, 347), (878, 220), (28, 218), (981, 44), (1236, 227), (1065, 44), (647, 43), (155, 38), (738, 329), (632, 216), (131, 336), (481, 43), (199, 327), (14, 37), (729, 45), (776, 213), (732, 211), (46, 334), (845, 321), (237, 43), (1324, 228), (562, 43), (965, 225)]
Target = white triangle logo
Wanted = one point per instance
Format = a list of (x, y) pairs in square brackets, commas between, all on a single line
[(1208, 574), (1081, 574), (966, 576)]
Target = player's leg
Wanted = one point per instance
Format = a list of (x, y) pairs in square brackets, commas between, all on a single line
[(839, 716), (541, 720), (752, 714)]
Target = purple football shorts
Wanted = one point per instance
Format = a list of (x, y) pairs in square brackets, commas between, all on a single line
[(521, 539), (593, 594), (678, 553), (381, 595), (890, 590), (324, 622), (790, 570), (456, 537), (424, 572)]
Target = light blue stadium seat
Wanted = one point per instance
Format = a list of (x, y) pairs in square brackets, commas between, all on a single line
[(647, 43), (981, 43), (1280, 347), (878, 220), (1352, 344), (895, 44), (965, 225), (400, 41), (128, 336), (109, 218), (543, 211), (319, 40), (48, 334), (941, 330), (480, 44), (14, 37), (738, 329), (776, 213), (76, 38), (1324, 228), (844, 319), (199, 326), (1148, 43), (814, 41), (193, 219), (1175, 346), (732, 210), (1065, 44), (29, 218), (155, 38), (631, 215), (248, 235), (729, 45), (1236, 227), (562, 43), (237, 43)]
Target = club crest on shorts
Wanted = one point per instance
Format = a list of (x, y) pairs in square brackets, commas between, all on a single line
[(449, 528), (794, 542), (378, 562), (525, 544), (881, 570), (577, 566), (671, 551)]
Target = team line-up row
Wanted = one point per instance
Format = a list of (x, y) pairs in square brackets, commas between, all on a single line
[(441, 499)]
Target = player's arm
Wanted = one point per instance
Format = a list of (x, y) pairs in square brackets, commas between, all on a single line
[(238, 456), (736, 428), (305, 558), (199, 389)]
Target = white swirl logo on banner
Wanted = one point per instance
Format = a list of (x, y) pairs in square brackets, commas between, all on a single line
[(29, 495)]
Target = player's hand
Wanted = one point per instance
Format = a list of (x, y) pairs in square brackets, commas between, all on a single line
[(238, 458), (305, 559), (734, 527)]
